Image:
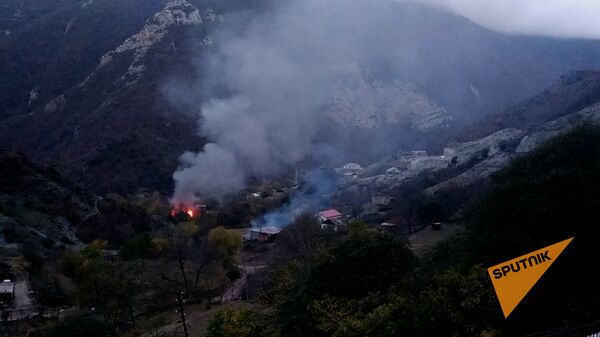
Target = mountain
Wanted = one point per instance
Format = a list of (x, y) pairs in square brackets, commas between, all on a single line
[(37, 206), (111, 116), (571, 93), (461, 172), (84, 93), (41, 209)]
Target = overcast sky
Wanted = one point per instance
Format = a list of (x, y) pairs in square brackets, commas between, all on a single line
[(559, 18)]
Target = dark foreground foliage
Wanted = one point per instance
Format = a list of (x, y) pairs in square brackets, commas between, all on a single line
[(368, 284)]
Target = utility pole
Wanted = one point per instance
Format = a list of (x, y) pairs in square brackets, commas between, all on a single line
[(181, 302)]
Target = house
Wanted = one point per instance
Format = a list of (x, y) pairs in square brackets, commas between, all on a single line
[(388, 227), (7, 291), (393, 171), (395, 226), (331, 219), (352, 167), (267, 233)]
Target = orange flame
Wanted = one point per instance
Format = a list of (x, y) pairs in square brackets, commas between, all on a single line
[(190, 211)]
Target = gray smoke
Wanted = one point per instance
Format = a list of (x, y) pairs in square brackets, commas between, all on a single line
[(270, 77), (315, 195)]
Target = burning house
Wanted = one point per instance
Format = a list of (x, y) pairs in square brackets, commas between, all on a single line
[(193, 211)]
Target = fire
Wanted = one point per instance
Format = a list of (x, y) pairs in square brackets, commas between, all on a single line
[(190, 211)]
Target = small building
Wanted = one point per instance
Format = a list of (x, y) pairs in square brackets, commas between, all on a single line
[(419, 153), (331, 219), (389, 228), (7, 291), (393, 171), (396, 226), (267, 233), (352, 167)]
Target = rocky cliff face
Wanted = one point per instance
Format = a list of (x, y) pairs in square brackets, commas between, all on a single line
[(507, 144), (373, 105), (80, 83), (462, 163), (115, 121), (571, 93)]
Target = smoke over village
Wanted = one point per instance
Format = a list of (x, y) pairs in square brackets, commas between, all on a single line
[(272, 93), (178, 168)]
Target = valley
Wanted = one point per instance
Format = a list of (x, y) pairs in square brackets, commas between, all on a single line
[(254, 168)]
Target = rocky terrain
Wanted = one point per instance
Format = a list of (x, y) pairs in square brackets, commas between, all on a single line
[(374, 105), (85, 93), (114, 119), (572, 92), (461, 164), (41, 210)]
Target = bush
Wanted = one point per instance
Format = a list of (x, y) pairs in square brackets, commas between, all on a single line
[(140, 247), (75, 326), (239, 323)]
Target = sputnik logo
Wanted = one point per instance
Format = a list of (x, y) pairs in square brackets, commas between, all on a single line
[(513, 279)]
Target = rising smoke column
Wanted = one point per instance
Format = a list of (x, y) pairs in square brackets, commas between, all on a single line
[(270, 77)]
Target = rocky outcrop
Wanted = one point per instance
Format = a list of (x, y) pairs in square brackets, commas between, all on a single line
[(371, 105), (116, 121), (548, 130), (505, 145), (176, 12), (462, 152)]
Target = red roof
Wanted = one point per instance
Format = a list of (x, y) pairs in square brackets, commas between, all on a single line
[(330, 214)]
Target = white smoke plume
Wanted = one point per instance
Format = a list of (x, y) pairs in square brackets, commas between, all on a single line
[(314, 195), (275, 74), (268, 76)]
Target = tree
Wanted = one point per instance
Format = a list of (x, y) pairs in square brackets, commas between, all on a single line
[(239, 323), (544, 197), (226, 244), (49, 294), (358, 264), (201, 262), (140, 247), (108, 287), (301, 241), (73, 326)]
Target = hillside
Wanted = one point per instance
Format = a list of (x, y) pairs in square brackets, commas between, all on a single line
[(86, 93), (573, 92), (43, 211)]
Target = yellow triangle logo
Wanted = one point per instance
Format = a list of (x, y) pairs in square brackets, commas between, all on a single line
[(514, 278)]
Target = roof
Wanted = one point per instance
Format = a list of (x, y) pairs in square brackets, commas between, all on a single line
[(265, 230), (6, 287), (330, 213), (352, 166), (393, 170)]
